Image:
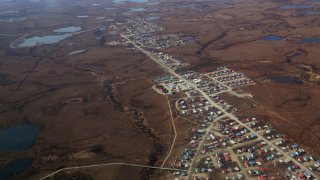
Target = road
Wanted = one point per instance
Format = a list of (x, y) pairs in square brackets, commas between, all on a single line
[(109, 164), (158, 61), (174, 138), (197, 154)]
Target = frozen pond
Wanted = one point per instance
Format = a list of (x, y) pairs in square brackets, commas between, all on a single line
[(296, 6), (14, 168), (18, 138), (41, 40), (67, 29), (272, 38)]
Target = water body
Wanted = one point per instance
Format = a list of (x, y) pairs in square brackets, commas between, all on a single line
[(67, 29), (41, 40), (130, 1), (8, 12), (137, 9), (14, 168), (152, 18), (309, 40), (109, 20), (272, 38), (285, 79), (296, 6), (18, 138), (83, 16), (308, 13), (15, 19)]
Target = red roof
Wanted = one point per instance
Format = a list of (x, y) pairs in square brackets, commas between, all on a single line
[(262, 177), (262, 169)]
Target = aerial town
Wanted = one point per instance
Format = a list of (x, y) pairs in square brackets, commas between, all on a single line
[(239, 146), (159, 90)]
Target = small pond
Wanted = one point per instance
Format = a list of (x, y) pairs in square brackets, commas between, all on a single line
[(272, 38)]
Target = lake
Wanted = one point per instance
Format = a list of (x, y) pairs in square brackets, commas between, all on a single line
[(18, 138), (14, 168), (41, 40)]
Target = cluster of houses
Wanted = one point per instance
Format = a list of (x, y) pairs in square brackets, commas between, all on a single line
[(238, 149), (164, 41), (135, 27), (171, 85), (171, 62), (266, 154), (230, 78)]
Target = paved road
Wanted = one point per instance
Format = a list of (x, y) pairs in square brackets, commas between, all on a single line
[(158, 61)]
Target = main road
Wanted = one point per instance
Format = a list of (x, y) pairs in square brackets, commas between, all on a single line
[(206, 96)]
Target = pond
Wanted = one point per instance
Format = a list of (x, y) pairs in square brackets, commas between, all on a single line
[(285, 79), (296, 6), (309, 40), (18, 138), (14, 168), (41, 40), (137, 9), (272, 38), (67, 29)]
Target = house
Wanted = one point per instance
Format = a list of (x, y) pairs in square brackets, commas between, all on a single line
[(262, 177)]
